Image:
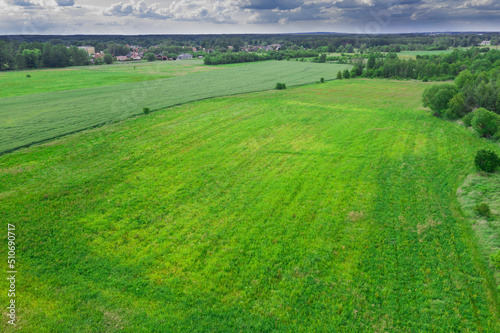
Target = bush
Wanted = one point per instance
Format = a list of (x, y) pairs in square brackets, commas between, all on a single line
[(339, 75), (467, 119), (457, 108), (108, 59), (150, 57), (322, 80), (495, 259), (146, 110), (28, 75), (483, 210), (486, 160), (280, 86), (346, 74), (485, 122), (425, 79)]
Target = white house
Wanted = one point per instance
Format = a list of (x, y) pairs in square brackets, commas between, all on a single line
[(185, 56)]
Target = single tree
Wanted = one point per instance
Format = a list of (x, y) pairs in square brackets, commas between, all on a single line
[(108, 58), (485, 122)]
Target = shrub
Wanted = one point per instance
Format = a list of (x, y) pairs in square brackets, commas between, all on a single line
[(322, 80), (425, 79), (280, 86), (28, 75), (339, 75), (485, 122), (467, 119), (346, 74), (108, 59), (150, 57), (495, 259), (146, 110), (486, 160), (457, 108), (483, 210)]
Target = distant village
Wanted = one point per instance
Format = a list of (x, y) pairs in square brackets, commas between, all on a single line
[(137, 53)]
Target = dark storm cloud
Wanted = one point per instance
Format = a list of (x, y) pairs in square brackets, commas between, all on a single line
[(359, 12), (64, 3)]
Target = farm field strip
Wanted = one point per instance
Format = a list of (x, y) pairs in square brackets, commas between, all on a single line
[(327, 207), (34, 118)]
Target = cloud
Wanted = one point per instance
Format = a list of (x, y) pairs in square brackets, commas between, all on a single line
[(207, 11), (268, 4), (183, 10), (64, 3), (22, 3), (139, 9)]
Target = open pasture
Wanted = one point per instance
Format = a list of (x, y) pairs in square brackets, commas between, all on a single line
[(323, 208), (15, 83), (37, 117), (413, 54)]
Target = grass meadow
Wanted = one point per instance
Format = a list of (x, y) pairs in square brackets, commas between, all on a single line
[(322, 208), (40, 116), (15, 83)]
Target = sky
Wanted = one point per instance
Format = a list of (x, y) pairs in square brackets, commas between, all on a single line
[(136, 17)]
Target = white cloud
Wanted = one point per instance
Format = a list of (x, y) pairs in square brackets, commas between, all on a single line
[(139, 9), (208, 11), (64, 3)]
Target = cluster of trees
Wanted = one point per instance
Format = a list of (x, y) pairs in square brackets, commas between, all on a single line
[(38, 55), (473, 97), (435, 67), (238, 57)]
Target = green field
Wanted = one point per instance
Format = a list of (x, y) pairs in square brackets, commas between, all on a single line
[(324, 208), (413, 54), (33, 118), (15, 83)]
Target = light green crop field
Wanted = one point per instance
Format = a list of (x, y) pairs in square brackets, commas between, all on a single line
[(323, 208), (15, 83), (413, 54), (34, 118)]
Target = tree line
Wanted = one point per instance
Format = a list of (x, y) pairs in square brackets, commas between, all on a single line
[(474, 97), (238, 57), (39, 55)]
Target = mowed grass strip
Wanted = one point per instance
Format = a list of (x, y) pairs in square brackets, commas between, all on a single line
[(34, 118), (326, 208)]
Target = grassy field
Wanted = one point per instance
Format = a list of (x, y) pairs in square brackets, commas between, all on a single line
[(37, 117), (483, 188), (413, 54), (324, 208), (15, 83)]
